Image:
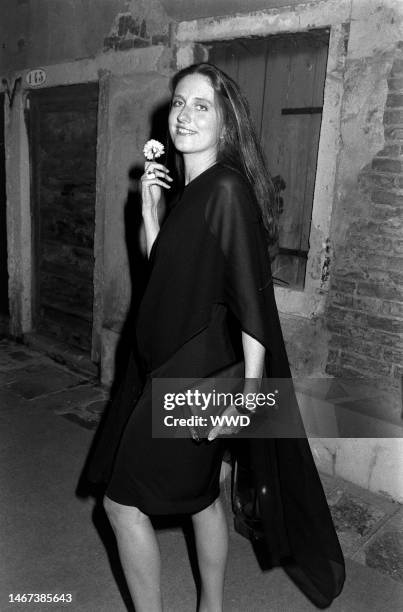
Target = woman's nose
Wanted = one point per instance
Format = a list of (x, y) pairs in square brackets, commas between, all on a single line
[(184, 115)]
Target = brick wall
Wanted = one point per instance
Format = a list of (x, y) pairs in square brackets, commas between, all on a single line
[(365, 309)]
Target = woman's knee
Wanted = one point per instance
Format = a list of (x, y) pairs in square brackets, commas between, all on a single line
[(214, 508), (121, 516)]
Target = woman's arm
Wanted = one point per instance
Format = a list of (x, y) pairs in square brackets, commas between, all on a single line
[(152, 219), (153, 202), (254, 354)]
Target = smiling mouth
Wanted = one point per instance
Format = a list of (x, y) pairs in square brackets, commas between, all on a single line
[(184, 132)]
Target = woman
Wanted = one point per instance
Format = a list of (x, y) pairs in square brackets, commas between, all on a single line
[(209, 302)]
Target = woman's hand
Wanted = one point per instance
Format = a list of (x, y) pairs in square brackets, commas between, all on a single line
[(228, 430), (155, 176)]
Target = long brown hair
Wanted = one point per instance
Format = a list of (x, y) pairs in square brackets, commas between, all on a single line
[(239, 146)]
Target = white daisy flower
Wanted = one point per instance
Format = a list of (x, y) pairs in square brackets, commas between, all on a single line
[(153, 149)]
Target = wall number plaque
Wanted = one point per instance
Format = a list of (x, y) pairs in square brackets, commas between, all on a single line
[(36, 77)]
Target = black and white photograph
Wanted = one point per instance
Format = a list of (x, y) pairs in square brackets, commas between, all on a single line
[(201, 305)]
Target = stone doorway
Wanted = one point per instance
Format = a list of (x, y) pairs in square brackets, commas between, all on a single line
[(63, 139)]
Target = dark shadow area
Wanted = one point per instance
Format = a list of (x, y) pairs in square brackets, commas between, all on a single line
[(191, 548)]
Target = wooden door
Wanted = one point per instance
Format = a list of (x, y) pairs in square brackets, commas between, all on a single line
[(63, 136), (3, 218), (283, 78)]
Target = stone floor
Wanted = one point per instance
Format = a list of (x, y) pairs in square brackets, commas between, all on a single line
[(48, 410)]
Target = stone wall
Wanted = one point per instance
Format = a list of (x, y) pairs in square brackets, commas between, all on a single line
[(363, 314), (146, 24), (39, 33), (364, 307)]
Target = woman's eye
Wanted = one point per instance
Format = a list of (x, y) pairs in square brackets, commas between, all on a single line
[(176, 103), (201, 107)]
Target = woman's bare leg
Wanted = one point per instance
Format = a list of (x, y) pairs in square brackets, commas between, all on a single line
[(139, 554), (211, 535)]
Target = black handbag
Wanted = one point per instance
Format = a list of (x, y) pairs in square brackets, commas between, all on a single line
[(230, 380)]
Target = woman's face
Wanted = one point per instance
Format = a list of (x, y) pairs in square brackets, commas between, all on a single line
[(194, 119)]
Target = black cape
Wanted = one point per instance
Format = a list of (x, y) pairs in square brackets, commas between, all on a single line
[(220, 265)]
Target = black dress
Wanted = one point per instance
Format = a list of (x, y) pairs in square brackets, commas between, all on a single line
[(210, 278), (183, 330)]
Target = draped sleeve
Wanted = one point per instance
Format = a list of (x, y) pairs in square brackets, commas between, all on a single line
[(234, 220)]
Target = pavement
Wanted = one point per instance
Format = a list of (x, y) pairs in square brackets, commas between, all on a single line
[(54, 541)]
